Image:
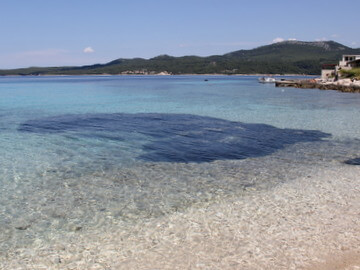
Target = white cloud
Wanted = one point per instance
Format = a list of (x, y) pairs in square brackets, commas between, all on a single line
[(321, 39), (88, 50), (278, 39), (292, 39)]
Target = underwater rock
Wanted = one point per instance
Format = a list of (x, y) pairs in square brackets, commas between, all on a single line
[(354, 161), (22, 226)]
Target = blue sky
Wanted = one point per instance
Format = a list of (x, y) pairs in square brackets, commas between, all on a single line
[(79, 32)]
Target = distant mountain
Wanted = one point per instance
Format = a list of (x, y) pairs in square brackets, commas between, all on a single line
[(293, 50), (295, 57)]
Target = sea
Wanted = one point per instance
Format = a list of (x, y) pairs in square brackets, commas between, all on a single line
[(86, 153)]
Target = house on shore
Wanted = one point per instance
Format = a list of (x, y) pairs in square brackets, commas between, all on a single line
[(347, 62)]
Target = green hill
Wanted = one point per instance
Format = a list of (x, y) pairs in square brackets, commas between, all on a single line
[(296, 57)]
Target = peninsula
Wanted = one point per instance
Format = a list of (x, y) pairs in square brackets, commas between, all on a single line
[(344, 77)]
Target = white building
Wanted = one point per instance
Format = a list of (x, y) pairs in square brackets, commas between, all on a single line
[(349, 62)]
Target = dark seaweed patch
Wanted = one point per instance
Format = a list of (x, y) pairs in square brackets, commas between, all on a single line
[(178, 137)]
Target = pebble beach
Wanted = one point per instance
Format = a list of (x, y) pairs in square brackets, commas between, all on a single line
[(309, 222)]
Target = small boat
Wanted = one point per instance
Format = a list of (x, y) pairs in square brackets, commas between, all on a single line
[(266, 80)]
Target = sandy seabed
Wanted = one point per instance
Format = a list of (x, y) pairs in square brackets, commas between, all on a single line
[(312, 222)]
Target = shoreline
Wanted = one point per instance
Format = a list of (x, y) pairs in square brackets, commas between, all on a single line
[(307, 223), (342, 85)]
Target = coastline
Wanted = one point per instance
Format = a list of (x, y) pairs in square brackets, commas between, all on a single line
[(344, 85)]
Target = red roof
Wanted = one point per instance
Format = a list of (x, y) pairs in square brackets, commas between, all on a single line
[(328, 66)]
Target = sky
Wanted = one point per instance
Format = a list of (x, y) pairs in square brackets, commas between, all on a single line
[(82, 32)]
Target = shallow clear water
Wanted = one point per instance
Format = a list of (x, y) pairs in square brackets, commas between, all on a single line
[(84, 152)]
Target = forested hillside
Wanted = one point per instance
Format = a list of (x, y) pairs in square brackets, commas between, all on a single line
[(295, 57)]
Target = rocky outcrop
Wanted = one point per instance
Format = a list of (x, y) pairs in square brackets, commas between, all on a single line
[(311, 84)]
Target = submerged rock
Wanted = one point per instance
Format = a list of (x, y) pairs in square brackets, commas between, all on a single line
[(22, 227), (354, 161)]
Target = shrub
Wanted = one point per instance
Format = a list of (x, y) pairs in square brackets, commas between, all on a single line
[(351, 73)]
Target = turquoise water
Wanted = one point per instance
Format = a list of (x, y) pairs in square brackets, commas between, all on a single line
[(84, 152)]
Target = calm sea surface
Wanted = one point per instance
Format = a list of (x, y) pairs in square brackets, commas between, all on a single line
[(85, 152)]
